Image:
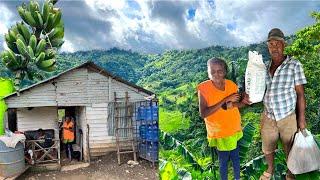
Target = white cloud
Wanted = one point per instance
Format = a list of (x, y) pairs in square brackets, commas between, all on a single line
[(154, 26), (255, 18), (5, 23), (68, 46)]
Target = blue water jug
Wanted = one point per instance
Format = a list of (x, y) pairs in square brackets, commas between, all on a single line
[(142, 149), (149, 133), (149, 113), (155, 132), (155, 112), (143, 132), (152, 151), (141, 113)]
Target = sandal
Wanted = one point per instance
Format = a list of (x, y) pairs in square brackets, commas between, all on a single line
[(265, 176)]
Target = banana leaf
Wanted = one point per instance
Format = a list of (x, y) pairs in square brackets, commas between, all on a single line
[(167, 170), (246, 140), (169, 142)]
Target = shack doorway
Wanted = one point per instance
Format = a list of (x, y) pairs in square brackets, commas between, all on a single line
[(75, 113)]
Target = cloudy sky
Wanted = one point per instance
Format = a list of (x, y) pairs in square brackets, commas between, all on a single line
[(155, 26)]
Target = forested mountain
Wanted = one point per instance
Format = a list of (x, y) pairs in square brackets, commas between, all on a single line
[(155, 72)]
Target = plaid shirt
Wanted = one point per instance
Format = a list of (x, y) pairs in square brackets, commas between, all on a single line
[(281, 98)]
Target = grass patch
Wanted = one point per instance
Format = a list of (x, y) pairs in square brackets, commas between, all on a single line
[(172, 121)]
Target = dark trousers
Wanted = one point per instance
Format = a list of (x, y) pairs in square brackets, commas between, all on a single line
[(69, 150), (224, 157)]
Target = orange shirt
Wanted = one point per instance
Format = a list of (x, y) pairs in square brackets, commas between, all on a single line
[(222, 123), (68, 133)]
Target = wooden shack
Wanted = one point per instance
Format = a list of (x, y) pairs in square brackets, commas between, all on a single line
[(87, 92)]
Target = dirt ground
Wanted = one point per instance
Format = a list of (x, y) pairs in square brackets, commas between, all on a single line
[(105, 167)]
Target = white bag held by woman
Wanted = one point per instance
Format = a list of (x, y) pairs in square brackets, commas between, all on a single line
[(255, 80), (304, 155)]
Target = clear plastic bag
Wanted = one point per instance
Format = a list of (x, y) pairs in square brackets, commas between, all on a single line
[(304, 155), (255, 79)]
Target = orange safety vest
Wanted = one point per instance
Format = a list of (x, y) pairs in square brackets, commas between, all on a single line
[(222, 123), (68, 134)]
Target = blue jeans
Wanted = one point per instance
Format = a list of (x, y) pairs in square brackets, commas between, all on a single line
[(69, 150), (224, 157)]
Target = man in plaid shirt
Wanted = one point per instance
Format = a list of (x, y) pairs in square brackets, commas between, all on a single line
[(284, 102)]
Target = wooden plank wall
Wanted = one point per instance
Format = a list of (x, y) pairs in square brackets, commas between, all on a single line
[(38, 117), (39, 96), (98, 88), (72, 88)]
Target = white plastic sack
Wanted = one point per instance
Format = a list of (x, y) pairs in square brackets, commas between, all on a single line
[(304, 155), (255, 79)]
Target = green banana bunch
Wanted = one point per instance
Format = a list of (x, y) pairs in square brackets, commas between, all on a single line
[(33, 42)]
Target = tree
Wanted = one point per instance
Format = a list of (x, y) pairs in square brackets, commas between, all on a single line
[(33, 43), (307, 40)]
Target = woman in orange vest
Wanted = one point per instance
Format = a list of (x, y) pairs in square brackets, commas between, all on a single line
[(68, 135), (218, 105)]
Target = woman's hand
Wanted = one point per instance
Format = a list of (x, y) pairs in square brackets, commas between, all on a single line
[(232, 98)]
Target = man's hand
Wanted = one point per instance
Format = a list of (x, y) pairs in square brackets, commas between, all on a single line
[(302, 125), (245, 99)]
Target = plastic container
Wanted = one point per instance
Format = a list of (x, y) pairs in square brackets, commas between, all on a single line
[(149, 133), (155, 133), (149, 113), (11, 160), (152, 151), (143, 132), (141, 113), (155, 112), (142, 149)]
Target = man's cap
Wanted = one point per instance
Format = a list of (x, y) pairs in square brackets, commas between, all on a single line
[(276, 34)]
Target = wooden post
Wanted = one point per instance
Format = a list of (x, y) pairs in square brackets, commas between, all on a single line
[(117, 125)]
